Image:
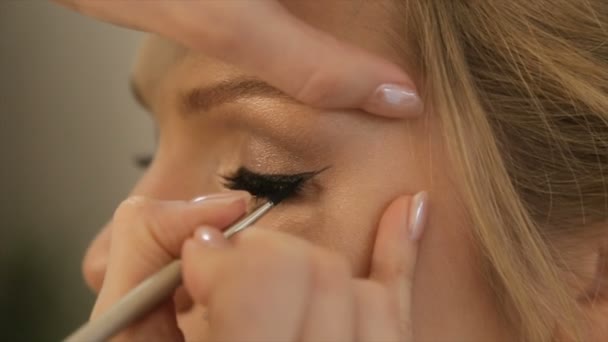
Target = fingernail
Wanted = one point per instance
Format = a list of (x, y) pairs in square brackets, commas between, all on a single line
[(229, 197), (418, 215), (210, 237), (394, 100)]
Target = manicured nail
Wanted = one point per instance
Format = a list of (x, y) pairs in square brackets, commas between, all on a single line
[(210, 237), (418, 215), (394, 100), (229, 196)]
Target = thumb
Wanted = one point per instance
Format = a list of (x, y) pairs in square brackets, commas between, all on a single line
[(307, 64), (396, 249)]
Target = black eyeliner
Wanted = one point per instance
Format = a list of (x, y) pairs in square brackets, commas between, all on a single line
[(274, 187)]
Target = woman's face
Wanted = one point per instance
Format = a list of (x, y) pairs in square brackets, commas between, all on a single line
[(213, 119)]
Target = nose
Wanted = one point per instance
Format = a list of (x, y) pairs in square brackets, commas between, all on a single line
[(96, 259)]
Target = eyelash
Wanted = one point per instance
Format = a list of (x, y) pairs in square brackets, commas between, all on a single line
[(268, 186)]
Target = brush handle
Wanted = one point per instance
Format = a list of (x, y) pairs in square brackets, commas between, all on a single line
[(137, 302)]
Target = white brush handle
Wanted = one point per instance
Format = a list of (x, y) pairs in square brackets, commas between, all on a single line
[(137, 302)]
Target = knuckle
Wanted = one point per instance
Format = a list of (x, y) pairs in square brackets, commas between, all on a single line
[(133, 207), (138, 221), (136, 213)]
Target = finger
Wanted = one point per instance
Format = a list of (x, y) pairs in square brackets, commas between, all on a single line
[(331, 312), (376, 320), (96, 259), (305, 63), (255, 290), (396, 248), (212, 237), (146, 235), (137, 15)]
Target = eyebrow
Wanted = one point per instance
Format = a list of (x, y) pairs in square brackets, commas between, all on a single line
[(205, 98)]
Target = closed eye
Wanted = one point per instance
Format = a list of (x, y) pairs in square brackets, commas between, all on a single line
[(274, 187)]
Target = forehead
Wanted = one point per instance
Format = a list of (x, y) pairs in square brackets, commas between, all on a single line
[(364, 23)]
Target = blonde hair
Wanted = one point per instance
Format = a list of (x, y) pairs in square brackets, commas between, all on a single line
[(521, 90)]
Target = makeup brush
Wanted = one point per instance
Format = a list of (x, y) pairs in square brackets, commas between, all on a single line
[(158, 287)]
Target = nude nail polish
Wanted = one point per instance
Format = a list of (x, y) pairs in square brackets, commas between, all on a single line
[(210, 237), (223, 196), (395, 101), (418, 215)]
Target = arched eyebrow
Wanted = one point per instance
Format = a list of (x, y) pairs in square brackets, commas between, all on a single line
[(231, 90), (205, 98)]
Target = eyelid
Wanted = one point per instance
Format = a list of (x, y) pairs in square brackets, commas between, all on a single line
[(258, 120)]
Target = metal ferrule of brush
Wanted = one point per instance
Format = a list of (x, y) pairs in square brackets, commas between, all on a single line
[(249, 219)]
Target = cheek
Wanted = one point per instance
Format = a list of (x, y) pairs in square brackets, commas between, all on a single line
[(337, 230), (363, 179)]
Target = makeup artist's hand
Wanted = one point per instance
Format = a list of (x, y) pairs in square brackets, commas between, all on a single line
[(264, 285), (271, 286), (264, 39), (148, 234)]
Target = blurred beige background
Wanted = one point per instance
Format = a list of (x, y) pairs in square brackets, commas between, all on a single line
[(68, 132)]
